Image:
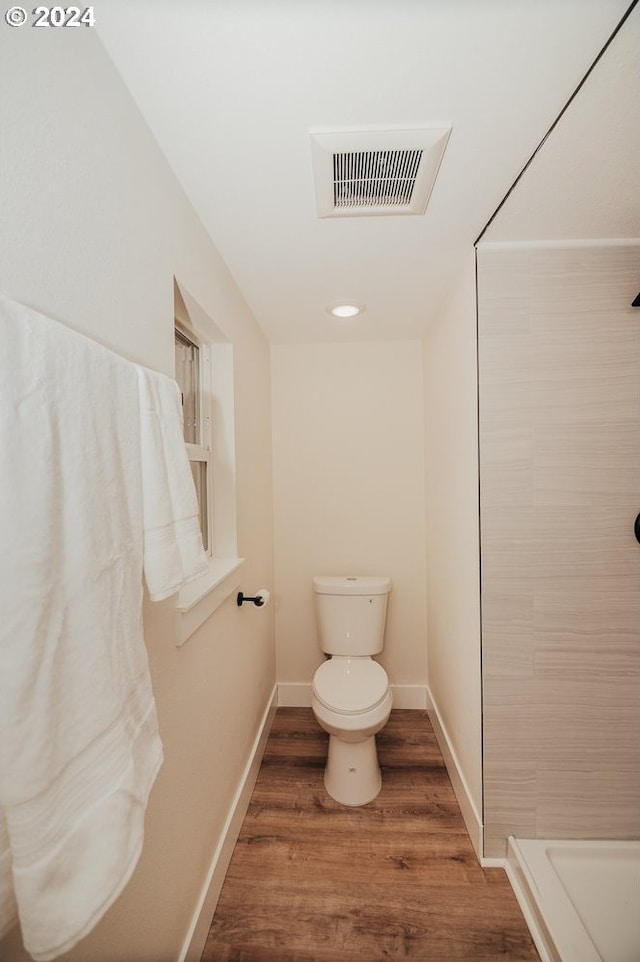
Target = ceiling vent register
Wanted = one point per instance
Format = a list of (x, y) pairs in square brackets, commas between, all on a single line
[(376, 172), (375, 178)]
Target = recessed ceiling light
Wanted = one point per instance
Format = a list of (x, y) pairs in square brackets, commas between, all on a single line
[(346, 310)]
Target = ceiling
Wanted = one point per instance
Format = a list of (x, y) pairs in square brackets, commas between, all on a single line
[(232, 89)]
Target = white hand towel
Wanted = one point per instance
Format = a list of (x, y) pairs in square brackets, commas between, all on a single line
[(173, 552), (79, 744)]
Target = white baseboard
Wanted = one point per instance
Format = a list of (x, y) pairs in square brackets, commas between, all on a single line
[(197, 934), (298, 695), (294, 694), (470, 813), (410, 696), (493, 862)]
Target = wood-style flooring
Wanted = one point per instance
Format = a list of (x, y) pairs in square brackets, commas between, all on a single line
[(313, 881)]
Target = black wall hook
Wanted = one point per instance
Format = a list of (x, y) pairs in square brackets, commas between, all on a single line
[(257, 600)]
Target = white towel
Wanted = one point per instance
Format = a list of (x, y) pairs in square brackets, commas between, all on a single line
[(173, 552), (79, 744)]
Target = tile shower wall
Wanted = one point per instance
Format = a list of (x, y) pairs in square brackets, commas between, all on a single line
[(559, 389)]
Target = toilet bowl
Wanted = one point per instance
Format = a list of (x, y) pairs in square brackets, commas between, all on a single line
[(352, 702), (350, 696)]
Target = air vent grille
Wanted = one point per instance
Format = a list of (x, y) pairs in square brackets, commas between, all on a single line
[(375, 178), (371, 172)]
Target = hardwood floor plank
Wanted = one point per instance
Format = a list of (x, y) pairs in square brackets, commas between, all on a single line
[(314, 881)]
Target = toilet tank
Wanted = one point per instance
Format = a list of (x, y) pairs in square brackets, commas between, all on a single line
[(351, 613)]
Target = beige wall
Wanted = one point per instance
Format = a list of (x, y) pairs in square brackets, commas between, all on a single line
[(452, 549), (559, 355), (94, 227), (349, 492)]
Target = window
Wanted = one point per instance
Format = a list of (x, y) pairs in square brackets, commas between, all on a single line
[(193, 367), (204, 372)]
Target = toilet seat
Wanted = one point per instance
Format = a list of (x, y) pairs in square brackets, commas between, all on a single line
[(350, 686)]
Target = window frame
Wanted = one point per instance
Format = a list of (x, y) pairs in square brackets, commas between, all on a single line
[(202, 451), (198, 599)]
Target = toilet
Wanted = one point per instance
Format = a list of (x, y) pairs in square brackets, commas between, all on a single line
[(350, 697)]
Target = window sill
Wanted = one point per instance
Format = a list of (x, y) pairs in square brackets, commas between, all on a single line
[(199, 599)]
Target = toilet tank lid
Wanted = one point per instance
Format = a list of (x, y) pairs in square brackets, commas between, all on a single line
[(351, 585)]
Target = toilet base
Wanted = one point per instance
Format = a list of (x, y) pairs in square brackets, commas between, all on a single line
[(352, 773)]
